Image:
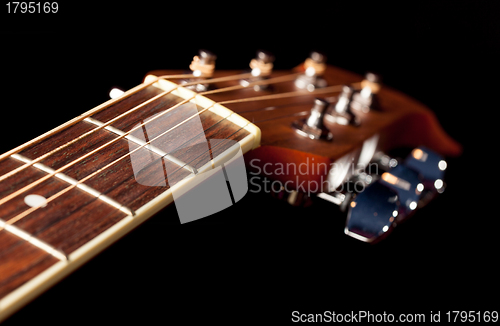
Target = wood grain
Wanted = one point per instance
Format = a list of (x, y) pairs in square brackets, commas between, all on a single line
[(76, 217), (20, 262)]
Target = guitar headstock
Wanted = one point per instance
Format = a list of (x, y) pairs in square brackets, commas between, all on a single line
[(441, 55), (322, 127)]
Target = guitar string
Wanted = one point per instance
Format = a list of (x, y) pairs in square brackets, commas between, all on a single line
[(65, 257), (268, 81), (329, 89), (63, 191), (226, 78), (83, 116), (106, 104), (211, 150), (59, 253), (38, 159), (15, 219), (46, 177), (31, 185), (298, 93)]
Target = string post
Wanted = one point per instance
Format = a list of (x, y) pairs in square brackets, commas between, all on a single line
[(203, 64), (313, 127), (262, 67), (314, 67), (366, 99), (202, 67), (340, 112)]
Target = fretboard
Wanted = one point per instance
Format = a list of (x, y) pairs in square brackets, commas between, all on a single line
[(73, 191)]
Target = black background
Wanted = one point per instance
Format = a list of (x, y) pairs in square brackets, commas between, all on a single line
[(260, 258)]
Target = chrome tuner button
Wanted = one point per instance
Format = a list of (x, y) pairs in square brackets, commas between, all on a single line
[(313, 127), (314, 68), (340, 111), (366, 99), (407, 184), (261, 67), (388, 199), (372, 214), (430, 167)]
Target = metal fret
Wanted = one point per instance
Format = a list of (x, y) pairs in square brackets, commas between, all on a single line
[(33, 240), (84, 187)]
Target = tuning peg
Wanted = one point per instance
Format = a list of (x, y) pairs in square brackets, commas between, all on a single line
[(366, 99), (373, 213), (340, 113), (315, 65), (400, 189), (203, 64), (262, 66), (373, 208), (429, 165), (314, 68), (406, 183), (313, 126), (416, 179)]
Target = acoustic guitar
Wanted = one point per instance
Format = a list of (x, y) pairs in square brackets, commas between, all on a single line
[(202, 139)]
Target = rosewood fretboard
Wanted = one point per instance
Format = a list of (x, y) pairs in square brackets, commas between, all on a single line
[(110, 194)]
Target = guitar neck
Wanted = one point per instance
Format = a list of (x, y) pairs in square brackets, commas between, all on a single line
[(70, 193), (73, 191)]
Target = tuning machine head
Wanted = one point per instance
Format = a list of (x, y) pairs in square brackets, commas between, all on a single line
[(406, 183), (429, 165), (202, 67), (391, 197), (262, 64), (366, 99), (313, 127), (314, 68), (262, 67), (203, 64), (416, 179), (373, 213), (373, 210), (340, 112)]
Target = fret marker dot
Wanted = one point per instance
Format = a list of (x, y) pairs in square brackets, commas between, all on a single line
[(35, 201)]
